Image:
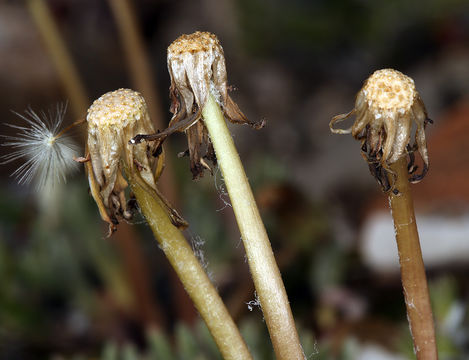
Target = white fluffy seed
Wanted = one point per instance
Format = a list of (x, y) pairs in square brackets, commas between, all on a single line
[(47, 153)]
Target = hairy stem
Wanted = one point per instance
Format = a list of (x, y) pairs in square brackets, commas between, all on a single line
[(266, 275), (414, 281), (190, 272)]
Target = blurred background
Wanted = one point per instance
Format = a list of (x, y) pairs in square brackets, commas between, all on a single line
[(67, 292)]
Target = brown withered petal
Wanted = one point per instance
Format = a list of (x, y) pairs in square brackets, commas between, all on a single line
[(196, 65), (385, 109)]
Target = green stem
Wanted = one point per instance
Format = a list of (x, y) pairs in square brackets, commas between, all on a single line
[(266, 275), (414, 281), (190, 272)]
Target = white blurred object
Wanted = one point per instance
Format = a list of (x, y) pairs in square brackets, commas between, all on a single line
[(359, 351), (453, 323), (374, 352), (443, 239)]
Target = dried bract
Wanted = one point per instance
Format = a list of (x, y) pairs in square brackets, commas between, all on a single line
[(385, 109), (113, 120), (196, 65)]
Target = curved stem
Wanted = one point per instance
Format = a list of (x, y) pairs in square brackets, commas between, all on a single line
[(414, 281), (266, 275), (190, 272), (60, 56)]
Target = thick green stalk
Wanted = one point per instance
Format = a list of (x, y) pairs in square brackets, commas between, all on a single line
[(414, 281), (190, 272), (266, 275)]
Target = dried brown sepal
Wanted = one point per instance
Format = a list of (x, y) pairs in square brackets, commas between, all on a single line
[(386, 108), (196, 65), (113, 119), (236, 116)]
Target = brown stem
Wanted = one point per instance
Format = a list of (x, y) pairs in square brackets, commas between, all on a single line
[(60, 56), (135, 265), (414, 281)]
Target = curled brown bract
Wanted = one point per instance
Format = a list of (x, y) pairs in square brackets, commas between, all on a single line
[(386, 109)]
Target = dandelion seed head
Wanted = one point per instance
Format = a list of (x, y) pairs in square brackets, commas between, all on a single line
[(46, 152)]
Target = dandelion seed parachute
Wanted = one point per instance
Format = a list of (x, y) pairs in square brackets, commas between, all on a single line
[(47, 152)]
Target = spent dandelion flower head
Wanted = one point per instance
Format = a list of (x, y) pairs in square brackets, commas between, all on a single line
[(112, 161), (113, 119), (196, 65), (386, 108), (46, 150)]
